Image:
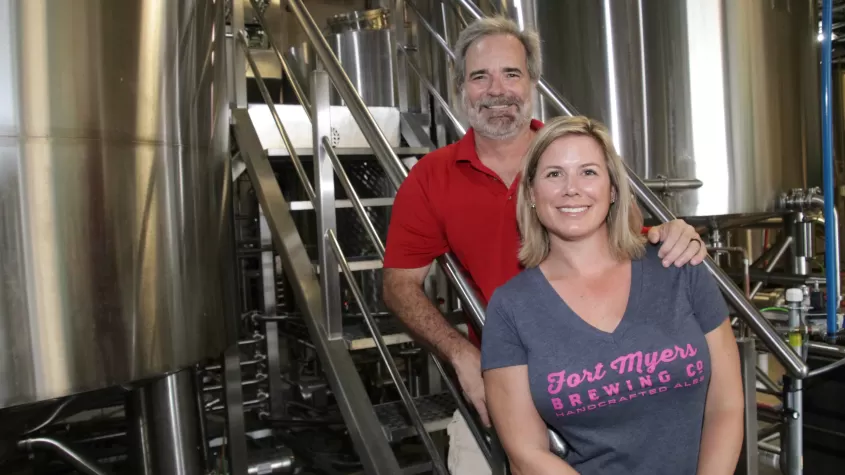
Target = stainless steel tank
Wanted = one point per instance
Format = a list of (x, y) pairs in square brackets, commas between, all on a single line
[(724, 91), (362, 43), (114, 192)]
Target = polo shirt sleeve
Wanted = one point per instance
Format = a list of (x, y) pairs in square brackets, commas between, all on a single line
[(708, 304), (415, 236), (501, 345)]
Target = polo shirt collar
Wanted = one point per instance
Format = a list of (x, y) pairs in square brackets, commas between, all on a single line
[(466, 145)]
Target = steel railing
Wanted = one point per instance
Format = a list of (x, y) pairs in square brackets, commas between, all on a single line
[(396, 172), (371, 323)]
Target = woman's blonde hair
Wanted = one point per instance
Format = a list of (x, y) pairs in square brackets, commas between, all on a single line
[(624, 218)]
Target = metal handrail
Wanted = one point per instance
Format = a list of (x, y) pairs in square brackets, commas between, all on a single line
[(265, 94), (436, 460), (346, 183), (394, 167), (430, 29), (752, 317), (396, 172), (444, 106), (297, 88)]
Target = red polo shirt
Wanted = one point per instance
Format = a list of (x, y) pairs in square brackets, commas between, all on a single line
[(452, 201)]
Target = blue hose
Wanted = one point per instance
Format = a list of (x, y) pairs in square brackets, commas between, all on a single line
[(832, 279)]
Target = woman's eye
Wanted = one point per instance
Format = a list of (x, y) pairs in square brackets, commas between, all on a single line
[(553, 174), (590, 172)]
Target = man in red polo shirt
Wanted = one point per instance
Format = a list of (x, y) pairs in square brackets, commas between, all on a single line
[(462, 198)]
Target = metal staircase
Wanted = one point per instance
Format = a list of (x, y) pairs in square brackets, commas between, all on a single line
[(325, 299)]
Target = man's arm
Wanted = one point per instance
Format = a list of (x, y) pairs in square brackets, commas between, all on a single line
[(415, 239), (522, 431), (404, 296)]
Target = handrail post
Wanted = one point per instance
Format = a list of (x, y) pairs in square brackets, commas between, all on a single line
[(325, 205), (397, 41)]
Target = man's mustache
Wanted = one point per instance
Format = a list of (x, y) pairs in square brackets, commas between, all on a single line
[(498, 101)]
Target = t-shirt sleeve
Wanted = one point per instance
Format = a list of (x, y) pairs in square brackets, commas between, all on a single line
[(708, 304), (501, 345), (415, 236)]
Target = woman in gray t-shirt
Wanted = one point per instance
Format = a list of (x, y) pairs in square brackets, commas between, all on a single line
[(632, 362)]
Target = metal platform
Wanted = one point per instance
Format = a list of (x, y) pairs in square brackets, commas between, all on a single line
[(436, 411)]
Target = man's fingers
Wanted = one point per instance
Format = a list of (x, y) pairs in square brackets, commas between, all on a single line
[(700, 254), (689, 254), (654, 234), (671, 254), (481, 407), (670, 235)]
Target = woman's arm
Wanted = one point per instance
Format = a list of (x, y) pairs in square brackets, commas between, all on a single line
[(721, 438), (519, 427)]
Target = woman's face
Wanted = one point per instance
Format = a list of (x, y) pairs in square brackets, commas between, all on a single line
[(571, 189)]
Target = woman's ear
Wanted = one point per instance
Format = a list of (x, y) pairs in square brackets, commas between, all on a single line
[(612, 195)]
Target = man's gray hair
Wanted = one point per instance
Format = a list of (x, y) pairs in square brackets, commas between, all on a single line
[(497, 25)]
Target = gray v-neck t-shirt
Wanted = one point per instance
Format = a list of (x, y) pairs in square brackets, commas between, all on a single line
[(627, 402)]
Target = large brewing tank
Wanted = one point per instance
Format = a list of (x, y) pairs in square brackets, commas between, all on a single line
[(724, 91), (114, 192), (361, 41)]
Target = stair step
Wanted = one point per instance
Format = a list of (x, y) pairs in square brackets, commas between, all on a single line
[(366, 264), (348, 152), (367, 202), (436, 411), (357, 335)]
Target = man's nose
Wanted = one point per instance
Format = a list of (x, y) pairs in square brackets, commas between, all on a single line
[(497, 86)]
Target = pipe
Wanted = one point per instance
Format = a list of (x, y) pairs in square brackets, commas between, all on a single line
[(61, 407), (673, 184), (834, 291), (831, 264), (774, 262), (70, 456)]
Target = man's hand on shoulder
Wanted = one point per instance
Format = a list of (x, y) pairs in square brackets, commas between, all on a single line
[(681, 244)]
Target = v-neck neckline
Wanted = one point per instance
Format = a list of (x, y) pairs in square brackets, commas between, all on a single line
[(631, 306)]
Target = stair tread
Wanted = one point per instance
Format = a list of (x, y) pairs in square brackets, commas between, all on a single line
[(339, 204), (357, 335), (436, 411)]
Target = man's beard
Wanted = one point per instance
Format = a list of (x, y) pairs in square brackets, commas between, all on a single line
[(497, 125)]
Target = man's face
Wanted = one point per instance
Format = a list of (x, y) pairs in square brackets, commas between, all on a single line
[(497, 89)]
